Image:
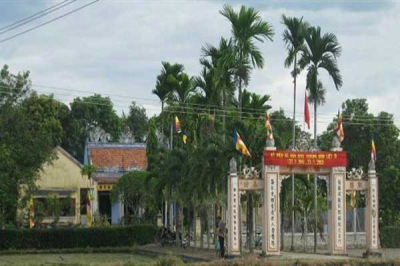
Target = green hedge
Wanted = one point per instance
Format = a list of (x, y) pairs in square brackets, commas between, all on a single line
[(390, 237), (61, 238)]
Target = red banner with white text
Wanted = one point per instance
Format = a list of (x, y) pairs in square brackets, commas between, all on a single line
[(305, 159)]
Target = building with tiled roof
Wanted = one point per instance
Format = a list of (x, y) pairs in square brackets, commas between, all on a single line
[(63, 178), (113, 160)]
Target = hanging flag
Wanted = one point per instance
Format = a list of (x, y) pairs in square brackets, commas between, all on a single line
[(239, 144), (89, 209), (353, 198), (185, 137), (31, 213), (373, 150), (306, 111), (339, 128), (268, 126), (177, 125)]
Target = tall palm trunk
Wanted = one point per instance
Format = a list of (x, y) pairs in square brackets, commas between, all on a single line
[(240, 98), (240, 85), (250, 221), (294, 143), (315, 180), (224, 113), (162, 124), (177, 222), (194, 226)]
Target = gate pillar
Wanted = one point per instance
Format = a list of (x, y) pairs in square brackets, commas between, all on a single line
[(337, 211), (372, 213), (233, 211), (271, 211)]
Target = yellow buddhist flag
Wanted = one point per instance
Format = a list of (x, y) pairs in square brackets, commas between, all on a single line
[(89, 209), (31, 213)]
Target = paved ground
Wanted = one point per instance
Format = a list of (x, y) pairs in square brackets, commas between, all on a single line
[(196, 254)]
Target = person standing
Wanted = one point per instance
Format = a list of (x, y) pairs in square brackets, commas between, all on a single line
[(221, 236)]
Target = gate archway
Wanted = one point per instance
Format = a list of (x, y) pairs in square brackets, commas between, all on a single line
[(277, 165)]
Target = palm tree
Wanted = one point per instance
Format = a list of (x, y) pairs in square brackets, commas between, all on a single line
[(182, 88), (255, 104), (163, 87), (247, 27), (293, 36), (221, 73), (320, 52)]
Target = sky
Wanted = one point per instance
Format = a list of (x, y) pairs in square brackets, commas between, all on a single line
[(115, 48)]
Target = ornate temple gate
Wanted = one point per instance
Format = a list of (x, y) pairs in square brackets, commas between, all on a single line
[(277, 165)]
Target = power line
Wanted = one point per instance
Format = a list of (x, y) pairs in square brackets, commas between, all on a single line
[(38, 13), (256, 111), (201, 108), (201, 112), (43, 13), (48, 22), (225, 111)]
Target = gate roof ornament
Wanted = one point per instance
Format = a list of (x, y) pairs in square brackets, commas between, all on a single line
[(304, 142), (233, 165), (371, 166), (97, 134), (355, 173), (336, 142)]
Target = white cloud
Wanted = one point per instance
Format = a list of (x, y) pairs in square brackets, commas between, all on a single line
[(116, 47)]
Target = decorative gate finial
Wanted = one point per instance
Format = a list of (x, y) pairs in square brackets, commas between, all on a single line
[(233, 165)]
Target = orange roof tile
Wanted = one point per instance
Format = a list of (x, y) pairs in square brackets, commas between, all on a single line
[(119, 155)]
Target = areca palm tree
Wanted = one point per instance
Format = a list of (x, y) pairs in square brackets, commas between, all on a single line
[(163, 87), (247, 28), (182, 88), (221, 73), (320, 52), (255, 104), (293, 36)]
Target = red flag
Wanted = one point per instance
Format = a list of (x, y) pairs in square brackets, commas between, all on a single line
[(306, 111)]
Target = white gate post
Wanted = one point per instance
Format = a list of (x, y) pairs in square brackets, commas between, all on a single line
[(372, 214), (337, 211), (271, 212), (233, 211)]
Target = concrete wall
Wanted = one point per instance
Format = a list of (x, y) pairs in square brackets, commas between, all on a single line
[(64, 173)]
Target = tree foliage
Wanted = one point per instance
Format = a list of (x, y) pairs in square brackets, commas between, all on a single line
[(137, 122), (29, 131)]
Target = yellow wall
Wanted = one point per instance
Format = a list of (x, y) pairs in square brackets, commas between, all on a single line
[(64, 173)]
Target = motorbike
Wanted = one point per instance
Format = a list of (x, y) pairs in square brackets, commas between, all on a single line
[(165, 237)]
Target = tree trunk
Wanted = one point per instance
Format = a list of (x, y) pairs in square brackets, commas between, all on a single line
[(223, 117), (208, 228), (177, 222), (355, 225), (194, 226), (214, 223), (315, 181), (162, 124), (190, 229), (250, 221), (305, 231), (201, 216), (283, 196), (294, 144), (240, 98)]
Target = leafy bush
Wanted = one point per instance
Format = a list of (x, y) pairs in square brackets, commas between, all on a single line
[(390, 237), (169, 260), (62, 238)]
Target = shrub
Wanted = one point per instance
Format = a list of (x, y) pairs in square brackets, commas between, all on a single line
[(390, 237), (169, 260), (61, 238)]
